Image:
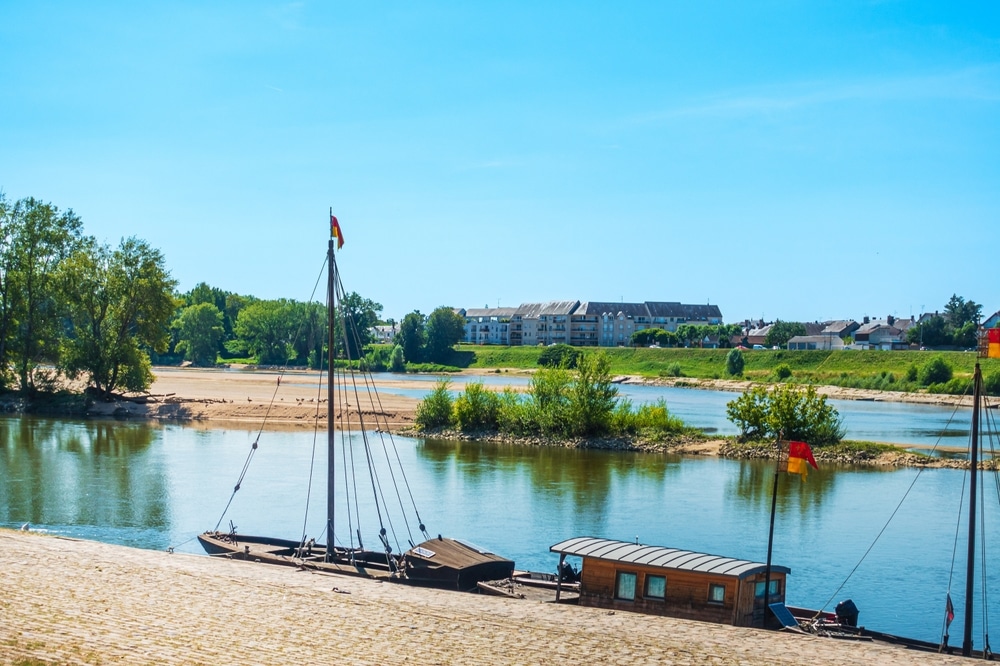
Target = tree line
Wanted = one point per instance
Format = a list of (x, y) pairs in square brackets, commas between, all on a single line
[(74, 308)]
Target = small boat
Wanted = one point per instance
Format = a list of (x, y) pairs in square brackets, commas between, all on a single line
[(438, 561)]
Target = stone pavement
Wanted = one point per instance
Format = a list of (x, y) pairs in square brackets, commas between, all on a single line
[(81, 602)]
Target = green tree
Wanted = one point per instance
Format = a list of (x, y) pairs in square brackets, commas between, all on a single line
[(548, 405), (117, 302), (397, 361), (268, 329), (592, 396), (476, 408), (734, 362), (412, 337), (958, 312), (34, 240), (445, 329), (930, 333), (360, 315), (781, 332), (199, 331), (789, 411)]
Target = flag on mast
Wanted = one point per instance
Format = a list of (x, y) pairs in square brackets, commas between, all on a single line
[(949, 612), (800, 458), (335, 231)]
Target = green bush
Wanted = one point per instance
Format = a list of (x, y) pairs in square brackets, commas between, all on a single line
[(782, 372), (559, 356), (435, 410), (674, 370), (937, 371), (396, 361), (991, 384), (734, 362), (476, 408), (788, 412), (912, 373)]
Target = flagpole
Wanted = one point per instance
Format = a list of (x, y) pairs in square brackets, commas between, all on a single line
[(770, 532)]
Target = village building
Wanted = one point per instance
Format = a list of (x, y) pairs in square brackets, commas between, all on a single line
[(619, 575)]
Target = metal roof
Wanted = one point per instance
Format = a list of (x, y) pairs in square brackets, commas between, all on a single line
[(658, 556)]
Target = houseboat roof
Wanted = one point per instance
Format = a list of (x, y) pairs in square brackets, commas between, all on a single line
[(659, 556)]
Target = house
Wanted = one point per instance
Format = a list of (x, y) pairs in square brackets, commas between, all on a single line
[(488, 326), (619, 575), (383, 334), (880, 334), (993, 320), (810, 342)]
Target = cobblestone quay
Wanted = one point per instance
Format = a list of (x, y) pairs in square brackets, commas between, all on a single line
[(81, 602)]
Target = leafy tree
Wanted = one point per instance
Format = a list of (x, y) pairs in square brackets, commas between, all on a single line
[(782, 331), (34, 240), (958, 312), (360, 315), (116, 303), (592, 396), (397, 361), (199, 330), (735, 362), (788, 411), (412, 337), (445, 329), (268, 328), (549, 400), (931, 332), (559, 356)]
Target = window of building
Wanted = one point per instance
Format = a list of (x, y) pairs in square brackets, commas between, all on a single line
[(759, 589), (656, 587), (625, 586), (716, 593)]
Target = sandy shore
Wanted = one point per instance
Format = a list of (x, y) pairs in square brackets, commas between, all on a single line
[(81, 602)]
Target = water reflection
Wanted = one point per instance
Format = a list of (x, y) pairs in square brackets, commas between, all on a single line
[(83, 473)]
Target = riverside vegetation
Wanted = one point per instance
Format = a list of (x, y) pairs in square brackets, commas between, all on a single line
[(581, 407)]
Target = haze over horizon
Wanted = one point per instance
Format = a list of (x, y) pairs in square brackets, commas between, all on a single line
[(803, 161)]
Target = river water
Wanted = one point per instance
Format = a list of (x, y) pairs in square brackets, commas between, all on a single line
[(157, 486)]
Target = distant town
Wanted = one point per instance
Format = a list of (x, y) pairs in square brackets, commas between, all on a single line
[(603, 324)]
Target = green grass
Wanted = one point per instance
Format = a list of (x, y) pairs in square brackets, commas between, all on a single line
[(861, 368)]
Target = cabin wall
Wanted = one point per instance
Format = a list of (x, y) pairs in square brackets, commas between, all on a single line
[(687, 593)]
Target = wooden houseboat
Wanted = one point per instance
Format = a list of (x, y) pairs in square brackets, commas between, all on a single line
[(666, 581)]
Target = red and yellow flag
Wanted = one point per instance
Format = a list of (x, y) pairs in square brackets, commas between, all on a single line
[(994, 343), (335, 231), (800, 457)]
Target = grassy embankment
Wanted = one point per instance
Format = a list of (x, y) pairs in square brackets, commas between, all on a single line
[(883, 370)]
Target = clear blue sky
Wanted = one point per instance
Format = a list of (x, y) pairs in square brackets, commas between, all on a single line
[(793, 160)]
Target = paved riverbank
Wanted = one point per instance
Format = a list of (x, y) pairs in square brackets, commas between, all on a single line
[(82, 602)]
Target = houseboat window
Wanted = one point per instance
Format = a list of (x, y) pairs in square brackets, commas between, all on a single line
[(656, 587), (759, 589), (625, 586), (716, 593)]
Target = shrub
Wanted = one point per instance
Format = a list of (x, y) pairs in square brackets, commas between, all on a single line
[(435, 410), (734, 362), (991, 384), (674, 370), (788, 412), (397, 363), (559, 356), (592, 396), (912, 373), (782, 372), (476, 408), (937, 371)]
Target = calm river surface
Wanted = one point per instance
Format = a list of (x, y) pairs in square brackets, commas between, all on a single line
[(157, 486)]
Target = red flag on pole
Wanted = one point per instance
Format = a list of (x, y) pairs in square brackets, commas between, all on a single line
[(335, 231), (800, 458)]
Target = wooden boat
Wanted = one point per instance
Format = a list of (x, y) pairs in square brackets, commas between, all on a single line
[(438, 562)]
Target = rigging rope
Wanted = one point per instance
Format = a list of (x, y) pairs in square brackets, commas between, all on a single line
[(891, 516)]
